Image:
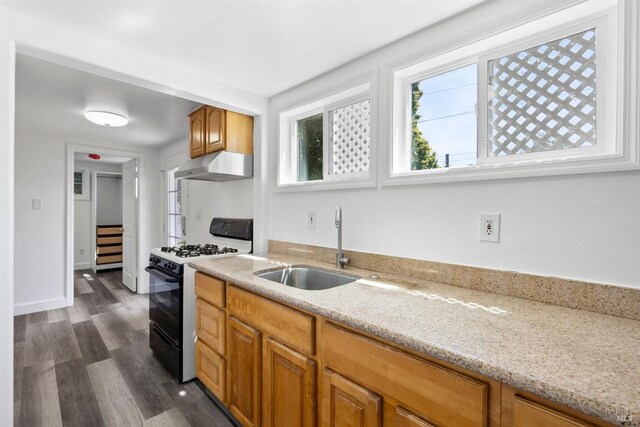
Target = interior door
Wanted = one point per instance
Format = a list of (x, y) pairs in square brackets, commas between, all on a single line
[(129, 215)]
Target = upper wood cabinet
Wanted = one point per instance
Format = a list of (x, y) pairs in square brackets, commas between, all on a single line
[(197, 131), (214, 129)]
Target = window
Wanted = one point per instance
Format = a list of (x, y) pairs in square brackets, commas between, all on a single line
[(81, 184), (174, 209), (443, 119), (328, 142), (543, 98), (495, 107)]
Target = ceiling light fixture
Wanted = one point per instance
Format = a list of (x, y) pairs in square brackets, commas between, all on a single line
[(105, 118)]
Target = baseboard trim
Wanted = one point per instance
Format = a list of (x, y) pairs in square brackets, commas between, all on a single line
[(82, 266), (40, 305)]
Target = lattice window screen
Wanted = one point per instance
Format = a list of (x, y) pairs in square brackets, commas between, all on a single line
[(544, 98), (349, 145)]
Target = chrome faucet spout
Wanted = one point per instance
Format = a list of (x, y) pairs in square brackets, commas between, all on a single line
[(341, 260)]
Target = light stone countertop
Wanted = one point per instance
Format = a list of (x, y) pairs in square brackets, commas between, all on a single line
[(584, 360)]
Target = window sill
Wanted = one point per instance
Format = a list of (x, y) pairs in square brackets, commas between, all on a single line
[(548, 167), (326, 185)]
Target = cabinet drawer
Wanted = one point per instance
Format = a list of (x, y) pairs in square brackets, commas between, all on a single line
[(210, 369), (210, 325), (531, 414), (210, 289), (289, 325), (105, 231), (108, 259), (443, 396), (102, 250), (115, 240)]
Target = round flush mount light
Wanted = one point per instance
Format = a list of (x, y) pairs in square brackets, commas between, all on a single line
[(105, 118)]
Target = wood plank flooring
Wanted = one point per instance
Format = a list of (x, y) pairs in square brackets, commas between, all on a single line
[(90, 365)]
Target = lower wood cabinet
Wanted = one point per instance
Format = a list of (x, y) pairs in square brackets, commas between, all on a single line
[(263, 360), (210, 325), (405, 418), (243, 356), (289, 387), (531, 414), (346, 404), (211, 370)]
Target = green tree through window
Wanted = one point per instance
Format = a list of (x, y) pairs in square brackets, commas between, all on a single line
[(422, 155), (310, 148)]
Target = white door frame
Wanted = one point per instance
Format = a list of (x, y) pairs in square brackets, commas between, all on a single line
[(70, 250)]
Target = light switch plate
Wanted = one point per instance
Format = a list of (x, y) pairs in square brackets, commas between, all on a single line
[(36, 204), (311, 220)]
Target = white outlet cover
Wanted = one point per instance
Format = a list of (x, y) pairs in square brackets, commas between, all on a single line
[(489, 227), (311, 220)]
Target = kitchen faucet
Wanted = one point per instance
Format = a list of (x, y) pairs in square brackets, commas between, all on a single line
[(341, 260)]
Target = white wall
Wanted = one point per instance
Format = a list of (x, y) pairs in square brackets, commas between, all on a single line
[(109, 194), (204, 200), (581, 227), (40, 173), (207, 200), (7, 121), (82, 215)]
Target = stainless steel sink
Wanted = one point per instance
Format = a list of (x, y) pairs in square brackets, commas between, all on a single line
[(311, 279)]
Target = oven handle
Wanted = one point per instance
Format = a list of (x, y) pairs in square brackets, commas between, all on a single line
[(156, 272)]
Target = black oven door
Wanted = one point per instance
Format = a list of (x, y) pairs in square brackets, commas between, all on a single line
[(165, 303)]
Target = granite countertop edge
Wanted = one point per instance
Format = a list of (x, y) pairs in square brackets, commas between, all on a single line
[(590, 405)]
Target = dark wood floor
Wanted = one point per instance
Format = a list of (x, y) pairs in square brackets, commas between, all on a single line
[(90, 365)]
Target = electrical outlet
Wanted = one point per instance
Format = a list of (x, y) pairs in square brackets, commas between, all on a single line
[(198, 215), (490, 227), (311, 220), (81, 251)]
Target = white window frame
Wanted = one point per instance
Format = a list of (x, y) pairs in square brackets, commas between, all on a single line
[(621, 152), (403, 99), (605, 143), (170, 217), (287, 163)]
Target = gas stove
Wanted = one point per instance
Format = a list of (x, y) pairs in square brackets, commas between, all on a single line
[(172, 295)]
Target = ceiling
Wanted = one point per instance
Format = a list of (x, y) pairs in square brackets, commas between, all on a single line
[(262, 46), (51, 99)]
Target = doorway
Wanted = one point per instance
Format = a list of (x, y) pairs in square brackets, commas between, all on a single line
[(105, 216)]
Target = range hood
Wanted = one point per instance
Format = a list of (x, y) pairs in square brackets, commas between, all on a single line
[(220, 166)]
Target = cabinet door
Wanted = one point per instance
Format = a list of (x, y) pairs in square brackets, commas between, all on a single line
[(531, 414), (210, 369), (210, 325), (289, 387), (346, 404), (404, 418), (243, 358), (215, 140), (197, 133)]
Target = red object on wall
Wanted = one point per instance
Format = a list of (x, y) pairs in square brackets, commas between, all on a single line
[(94, 156)]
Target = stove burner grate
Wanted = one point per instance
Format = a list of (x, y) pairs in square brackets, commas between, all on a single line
[(189, 251)]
